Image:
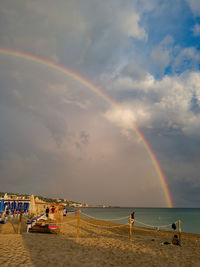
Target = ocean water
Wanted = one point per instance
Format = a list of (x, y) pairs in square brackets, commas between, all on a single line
[(156, 218)]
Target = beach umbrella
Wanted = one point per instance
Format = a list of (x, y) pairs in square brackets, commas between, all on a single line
[(28, 205), (2, 206), (17, 206), (11, 206)]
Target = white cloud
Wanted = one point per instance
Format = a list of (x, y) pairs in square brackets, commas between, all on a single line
[(123, 83), (128, 118), (130, 26), (164, 103), (195, 6)]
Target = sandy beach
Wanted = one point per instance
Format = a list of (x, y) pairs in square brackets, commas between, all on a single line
[(99, 244)]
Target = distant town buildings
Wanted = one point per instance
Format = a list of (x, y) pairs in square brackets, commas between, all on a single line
[(65, 202), (20, 197), (7, 196)]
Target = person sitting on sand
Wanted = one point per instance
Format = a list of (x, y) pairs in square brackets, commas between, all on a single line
[(176, 241)]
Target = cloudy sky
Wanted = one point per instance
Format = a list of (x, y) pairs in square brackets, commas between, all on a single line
[(59, 138)]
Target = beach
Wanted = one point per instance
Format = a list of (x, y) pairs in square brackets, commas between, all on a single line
[(99, 244)]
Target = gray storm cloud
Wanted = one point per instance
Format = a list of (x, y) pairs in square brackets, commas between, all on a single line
[(53, 146), (61, 139)]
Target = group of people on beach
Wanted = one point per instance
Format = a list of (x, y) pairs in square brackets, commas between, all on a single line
[(52, 211), (48, 211)]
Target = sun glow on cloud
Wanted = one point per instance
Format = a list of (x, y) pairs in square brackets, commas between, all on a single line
[(124, 116)]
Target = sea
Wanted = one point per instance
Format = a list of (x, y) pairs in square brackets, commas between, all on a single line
[(155, 218)]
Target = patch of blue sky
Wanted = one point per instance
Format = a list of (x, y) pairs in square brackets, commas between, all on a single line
[(168, 70), (187, 37), (171, 18), (174, 19)]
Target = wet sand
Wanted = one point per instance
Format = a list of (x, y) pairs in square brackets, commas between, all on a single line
[(101, 245)]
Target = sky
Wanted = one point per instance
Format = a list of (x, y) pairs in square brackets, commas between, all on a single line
[(60, 138)]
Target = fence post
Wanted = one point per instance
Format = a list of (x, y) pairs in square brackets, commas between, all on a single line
[(179, 229), (61, 217), (133, 220), (78, 222), (57, 210), (130, 227)]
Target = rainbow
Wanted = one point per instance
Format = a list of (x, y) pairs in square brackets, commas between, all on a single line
[(109, 100)]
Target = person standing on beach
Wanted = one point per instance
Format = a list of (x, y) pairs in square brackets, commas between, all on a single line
[(47, 212), (53, 210), (132, 217), (65, 211)]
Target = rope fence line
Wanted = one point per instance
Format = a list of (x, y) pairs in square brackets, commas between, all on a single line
[(131, 224), (111, 227), (103, 219), (64, 222), (110, 220), (105, 227), (139, 222), (155, 226), (77, 220)]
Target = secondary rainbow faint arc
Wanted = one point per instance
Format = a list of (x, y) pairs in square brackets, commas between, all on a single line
[(108, 99)]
